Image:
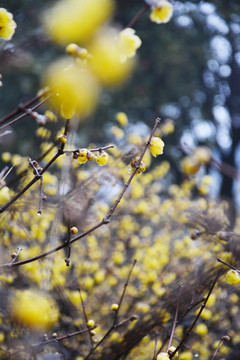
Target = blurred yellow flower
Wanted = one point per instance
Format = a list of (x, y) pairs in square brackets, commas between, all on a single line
[(161, 12), (122, 118), (7, 24), (163, 356), (190, 165), (75, 89), (4, 195), (129, 42), (106, 62), (76, 20), (34, 309), (233, 277)]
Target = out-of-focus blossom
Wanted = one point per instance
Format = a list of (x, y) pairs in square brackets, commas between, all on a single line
[(76, 20), (129, 42), (7, 24), (33, 309), (106, 62), (75, 90), (161, 12)]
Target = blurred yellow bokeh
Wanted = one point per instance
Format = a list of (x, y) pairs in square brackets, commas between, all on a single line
[(107, 58), (76, 20), (74, 88), (34, 309)]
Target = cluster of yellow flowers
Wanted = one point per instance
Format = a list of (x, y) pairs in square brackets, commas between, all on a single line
[(107, 61), (192, 163), (233, 277), (85, 155), (152, 224), (7, 24)]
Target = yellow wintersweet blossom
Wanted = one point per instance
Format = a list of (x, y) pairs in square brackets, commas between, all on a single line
[(161, 12), (122, 118), (190, 165), (75, 89), (201, 329), (76, 20), (34, 309), (106, 62), (156, 146), (4, 195), (7, 24), (163, 356), (129, 42), (233, 277)]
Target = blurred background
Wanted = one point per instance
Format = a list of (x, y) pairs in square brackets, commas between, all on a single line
[(188, 70)]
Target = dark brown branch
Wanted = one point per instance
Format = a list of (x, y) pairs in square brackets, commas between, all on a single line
[(33, 348), (224, 338), (155, 345), (137, 16), (24, 114), (223, 262), (26, 105), (197, 317), (115, 323), (38, 175), (92, 150), (175, 318)]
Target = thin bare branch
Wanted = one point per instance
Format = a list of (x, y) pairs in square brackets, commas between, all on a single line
[(197, 317), (104, 221)]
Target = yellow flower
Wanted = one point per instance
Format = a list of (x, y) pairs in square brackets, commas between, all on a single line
[(156, 146), (114, 307), (190, 165), (34, 309), (129, 42), (233, 277), (4, 195), (74, 88), (122, 118), (162, 12), (186, 355), (171, 350), (106, 62), (201, 329), (7, 24), (50, 115), (82, 157), (102, 158), (163, 356), (76, 20), (203, 154)]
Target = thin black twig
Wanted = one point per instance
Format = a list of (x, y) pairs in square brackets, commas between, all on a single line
[(104, 221), (137, 16), (223, 262), (175, 318), (34, 348), (115, 323), (38, 173), (224, 338), (155, 344), (24, 114), (197, 316), (85, 315), (26, 105)]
